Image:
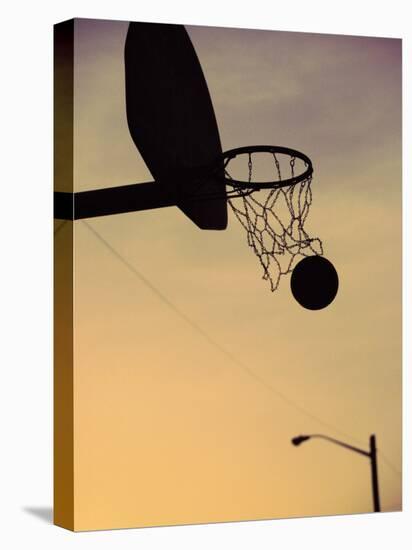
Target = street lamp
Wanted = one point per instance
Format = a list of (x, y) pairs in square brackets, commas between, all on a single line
[(371, 454)]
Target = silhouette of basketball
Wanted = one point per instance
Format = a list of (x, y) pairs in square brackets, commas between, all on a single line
[(314, 282)]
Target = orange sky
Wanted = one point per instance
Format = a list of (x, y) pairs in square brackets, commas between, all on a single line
[(168, 429)]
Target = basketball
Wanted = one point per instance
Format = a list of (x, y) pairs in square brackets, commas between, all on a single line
[(314, 282)]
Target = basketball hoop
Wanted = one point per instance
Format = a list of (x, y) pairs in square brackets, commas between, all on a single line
[(273, 211)]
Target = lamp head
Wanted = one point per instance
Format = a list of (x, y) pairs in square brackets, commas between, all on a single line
[(300, 439)]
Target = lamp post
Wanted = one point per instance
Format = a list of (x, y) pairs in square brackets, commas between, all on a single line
[(371, 454)]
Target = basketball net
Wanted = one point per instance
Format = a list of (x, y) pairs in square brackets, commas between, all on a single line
[(274, 221)]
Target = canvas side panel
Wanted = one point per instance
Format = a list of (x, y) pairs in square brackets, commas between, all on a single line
[(63, 280)]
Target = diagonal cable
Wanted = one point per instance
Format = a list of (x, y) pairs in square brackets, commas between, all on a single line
[(60, 226), (212, 341), (389, 463)]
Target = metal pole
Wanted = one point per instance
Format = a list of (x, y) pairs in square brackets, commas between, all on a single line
[(112, 200), (374, 468)]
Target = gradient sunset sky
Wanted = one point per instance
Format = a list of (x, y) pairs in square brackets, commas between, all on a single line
[(168, 429)]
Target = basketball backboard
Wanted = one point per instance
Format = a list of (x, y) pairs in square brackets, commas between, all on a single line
[(171, 118)]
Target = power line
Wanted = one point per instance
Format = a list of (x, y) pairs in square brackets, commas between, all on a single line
[(389, 463), (212, 341), (60, 226)]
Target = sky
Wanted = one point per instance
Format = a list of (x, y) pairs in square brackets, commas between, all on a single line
[(190, 376)]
